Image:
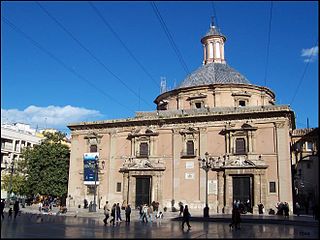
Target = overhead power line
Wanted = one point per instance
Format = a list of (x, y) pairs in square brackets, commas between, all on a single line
[(169, 36), (35, 43), (89, 52), (304, 73), (268, 45), (107, 24)]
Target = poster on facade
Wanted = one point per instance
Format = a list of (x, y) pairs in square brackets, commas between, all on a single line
[(212, 187), (89, 162)]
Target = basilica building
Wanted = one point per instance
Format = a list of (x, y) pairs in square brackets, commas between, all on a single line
[(216, 139)]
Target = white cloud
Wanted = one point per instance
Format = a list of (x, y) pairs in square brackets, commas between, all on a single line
[(50, 117), (310, 54)]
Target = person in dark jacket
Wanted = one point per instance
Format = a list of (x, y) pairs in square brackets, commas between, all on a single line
[(186, 217), (118, 213), (128, 213), (16, 208), (181, 209), (2, 205), (236, 218), (113, 213)]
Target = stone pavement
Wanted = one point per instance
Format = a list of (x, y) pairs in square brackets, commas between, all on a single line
[(31, 224), (196, 216)]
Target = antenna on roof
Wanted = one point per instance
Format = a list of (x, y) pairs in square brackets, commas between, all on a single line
[(163, 85)]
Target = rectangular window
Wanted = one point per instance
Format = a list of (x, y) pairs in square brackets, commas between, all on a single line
[(242, 103), (240, 146), (144, 149), (190, 148), (309, 146), (93, 148), (118, 186), (272, 187), (198, 105)]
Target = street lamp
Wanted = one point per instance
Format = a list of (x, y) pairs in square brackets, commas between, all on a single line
[(95, 165), (205, 164)]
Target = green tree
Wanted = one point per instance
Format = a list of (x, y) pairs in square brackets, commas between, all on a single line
[(47, 166)]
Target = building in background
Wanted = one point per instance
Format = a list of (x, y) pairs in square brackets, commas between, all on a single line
[(15, 137), (305, 166), (215, 115)]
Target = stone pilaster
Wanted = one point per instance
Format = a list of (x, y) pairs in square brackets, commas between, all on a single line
[(284, 163), (220, 191), (256, 192), (228, 194)]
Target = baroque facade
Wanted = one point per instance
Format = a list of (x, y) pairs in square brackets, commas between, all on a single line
[(216, 115)]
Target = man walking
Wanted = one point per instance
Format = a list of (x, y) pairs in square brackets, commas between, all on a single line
[(16, 208), (106, 210), (186, 217), (113, 213), (118, 213), (128, 212)]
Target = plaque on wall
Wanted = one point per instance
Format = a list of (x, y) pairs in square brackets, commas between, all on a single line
[(212, 187), (189, 165), (189, 176)]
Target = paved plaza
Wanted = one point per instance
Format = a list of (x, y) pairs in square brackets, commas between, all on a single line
[(31, 224)]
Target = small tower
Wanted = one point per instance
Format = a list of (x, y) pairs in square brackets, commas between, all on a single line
[(213, 46)]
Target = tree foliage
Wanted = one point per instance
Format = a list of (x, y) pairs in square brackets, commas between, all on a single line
[(47, 166)]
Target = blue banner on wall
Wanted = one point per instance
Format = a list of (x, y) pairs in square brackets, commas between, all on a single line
[(89, 161)]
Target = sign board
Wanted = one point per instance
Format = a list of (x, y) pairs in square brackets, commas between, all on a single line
[(89, 163), (212, 187), (189, 165)]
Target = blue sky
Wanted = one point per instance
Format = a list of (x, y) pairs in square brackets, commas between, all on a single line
[(38, 90)]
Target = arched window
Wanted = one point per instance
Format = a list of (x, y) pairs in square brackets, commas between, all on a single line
[(240, 146), (190, 148), (144, 149)]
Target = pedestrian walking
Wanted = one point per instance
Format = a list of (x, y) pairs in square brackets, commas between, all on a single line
[(113, 213), (186, 217), (236, 218), (181, 209), (40, 206), (118, 213), (298, 209), (10, 213), (260, 207), (2, 205), (16, 208), (145, 213), (140, 211), (106, 210), (128, 213), (286, 210)]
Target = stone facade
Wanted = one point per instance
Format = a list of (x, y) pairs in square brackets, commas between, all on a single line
[(215, 116)]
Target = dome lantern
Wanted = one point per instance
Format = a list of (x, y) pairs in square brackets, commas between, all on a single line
[(213, 46)]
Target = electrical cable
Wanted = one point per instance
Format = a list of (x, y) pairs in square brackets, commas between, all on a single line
[(169, 36), (107, 24), (89, 52), (35, 43)]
